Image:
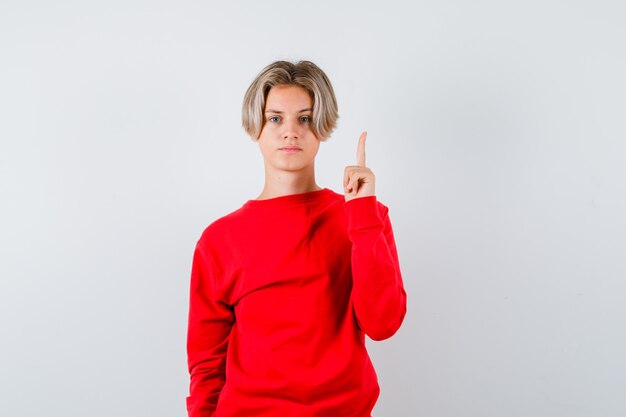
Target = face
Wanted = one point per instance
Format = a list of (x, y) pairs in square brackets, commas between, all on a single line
[(287, 141)]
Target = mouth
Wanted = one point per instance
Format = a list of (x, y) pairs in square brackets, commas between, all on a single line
[(290, 149)]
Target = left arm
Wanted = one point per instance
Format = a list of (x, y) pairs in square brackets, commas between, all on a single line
[(378, 293)]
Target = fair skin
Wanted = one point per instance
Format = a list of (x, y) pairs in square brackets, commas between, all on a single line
[(289, 146)]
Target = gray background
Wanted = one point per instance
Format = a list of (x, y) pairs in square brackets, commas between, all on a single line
[(496, 133)]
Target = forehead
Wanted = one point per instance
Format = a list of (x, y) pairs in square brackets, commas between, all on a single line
[(288, 97)]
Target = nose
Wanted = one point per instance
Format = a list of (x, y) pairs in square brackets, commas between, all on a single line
[(291, 129)]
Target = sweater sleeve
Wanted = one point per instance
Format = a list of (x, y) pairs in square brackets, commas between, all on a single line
[(210, 322), (378, 293)]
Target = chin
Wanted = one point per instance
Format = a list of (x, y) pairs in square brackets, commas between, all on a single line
[(291, 167)]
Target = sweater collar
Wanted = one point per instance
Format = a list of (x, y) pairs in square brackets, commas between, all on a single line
[(290, 199)]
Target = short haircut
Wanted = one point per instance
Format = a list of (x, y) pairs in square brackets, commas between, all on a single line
[(303, 74)]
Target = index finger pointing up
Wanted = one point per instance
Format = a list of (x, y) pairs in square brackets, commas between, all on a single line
[(360, 151)]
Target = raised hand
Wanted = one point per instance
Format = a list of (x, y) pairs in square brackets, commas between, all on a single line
[(358, 180)]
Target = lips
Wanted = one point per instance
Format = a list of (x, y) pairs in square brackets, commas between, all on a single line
[(290, 148)]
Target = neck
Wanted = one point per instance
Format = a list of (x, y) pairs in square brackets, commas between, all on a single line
[(282, 183)]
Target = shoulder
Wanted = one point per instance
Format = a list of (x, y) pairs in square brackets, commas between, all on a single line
[(221, 228)]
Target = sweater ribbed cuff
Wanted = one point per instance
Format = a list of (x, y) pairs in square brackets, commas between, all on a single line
[(362, 213)]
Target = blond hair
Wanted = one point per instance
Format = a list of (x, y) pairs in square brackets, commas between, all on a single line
[(303, 74)]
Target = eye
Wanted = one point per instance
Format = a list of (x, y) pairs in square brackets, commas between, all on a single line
[(305, 119), (274, 119)]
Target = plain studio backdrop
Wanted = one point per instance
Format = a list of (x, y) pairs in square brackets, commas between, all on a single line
[(496, 134)]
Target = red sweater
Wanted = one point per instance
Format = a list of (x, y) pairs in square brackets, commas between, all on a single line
[(283, 291)]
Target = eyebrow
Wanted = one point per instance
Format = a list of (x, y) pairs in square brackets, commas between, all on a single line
[(280, 112)]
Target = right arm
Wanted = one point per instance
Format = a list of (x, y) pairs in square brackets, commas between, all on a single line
[(210, 322)]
